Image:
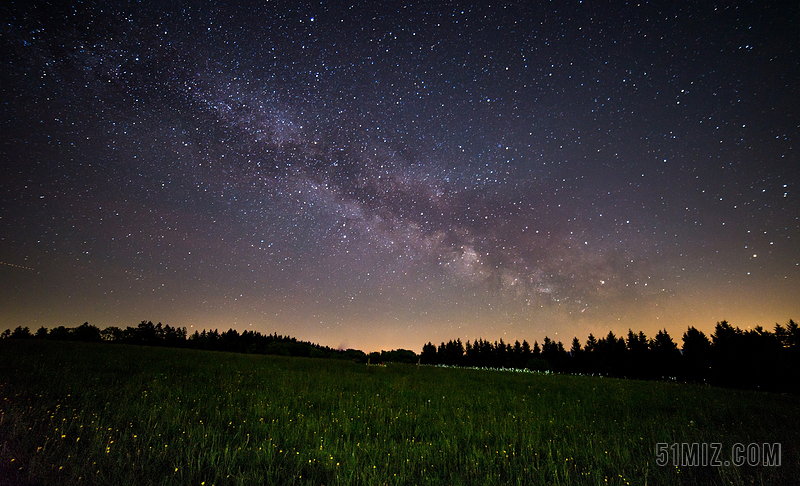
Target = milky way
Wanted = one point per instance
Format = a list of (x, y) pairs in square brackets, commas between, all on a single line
[(378, 176)]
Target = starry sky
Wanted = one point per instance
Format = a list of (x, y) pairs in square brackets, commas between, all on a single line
[(377, 175)]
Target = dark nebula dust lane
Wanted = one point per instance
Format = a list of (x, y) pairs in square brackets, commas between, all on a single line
[(379, 176)]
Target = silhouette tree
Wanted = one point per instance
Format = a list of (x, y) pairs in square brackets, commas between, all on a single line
[(790, 357), (526, 349), (21, 333), (399, 356), (468, 354), (591, 343), (145, 333), (611, 355), (549, 350), (112, 334), (176, 336), (451, 353), (553, 352), (229, 341), (665, 355), (576, 360), (639, 364), (589, 360), (482, 354), (767, 368), (729, 356), (501, 355), (86, 332), (752, 359), (696, 355), (441, 354), (575, 350), (60, 333), (793, 333), (515, 359)]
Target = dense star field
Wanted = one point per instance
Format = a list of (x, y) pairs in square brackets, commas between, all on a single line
[(379, 175)]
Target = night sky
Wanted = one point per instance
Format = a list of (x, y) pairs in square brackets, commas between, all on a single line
[(378, 175)]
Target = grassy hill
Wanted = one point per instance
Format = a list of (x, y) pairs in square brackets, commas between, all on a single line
[(78, 413)]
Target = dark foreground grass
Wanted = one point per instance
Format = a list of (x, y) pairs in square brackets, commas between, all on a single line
[(74, 413)]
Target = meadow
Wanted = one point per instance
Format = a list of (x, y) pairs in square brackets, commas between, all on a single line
[(82, 413)]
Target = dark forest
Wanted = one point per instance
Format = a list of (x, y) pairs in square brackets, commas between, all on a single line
[(730, 357)]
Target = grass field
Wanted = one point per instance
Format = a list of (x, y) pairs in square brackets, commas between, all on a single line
[(75, 413)]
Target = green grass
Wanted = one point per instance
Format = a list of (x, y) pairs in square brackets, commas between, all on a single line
[(74, 413)]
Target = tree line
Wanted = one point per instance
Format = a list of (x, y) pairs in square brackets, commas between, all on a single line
[(731, 357), (149, 334)]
